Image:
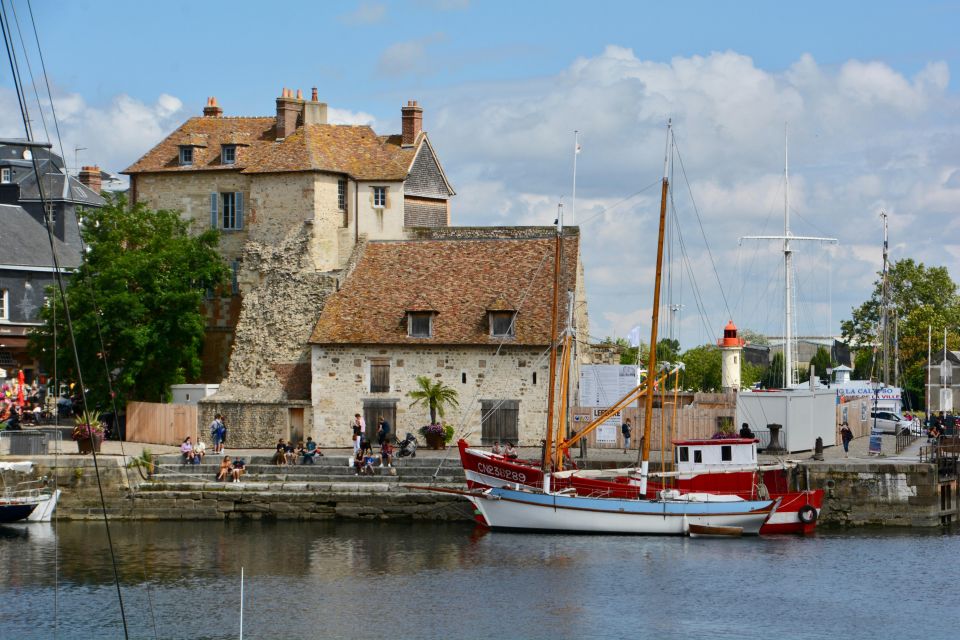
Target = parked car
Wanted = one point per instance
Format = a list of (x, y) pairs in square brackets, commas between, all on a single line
[(890, 422)]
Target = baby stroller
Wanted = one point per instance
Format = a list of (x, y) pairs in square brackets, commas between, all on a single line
[(407, 447)]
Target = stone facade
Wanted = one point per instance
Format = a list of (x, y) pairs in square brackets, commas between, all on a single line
[(342, 382)]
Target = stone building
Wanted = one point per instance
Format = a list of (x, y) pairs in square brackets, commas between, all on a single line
[(295, 198), (27, 267), (468, 307)]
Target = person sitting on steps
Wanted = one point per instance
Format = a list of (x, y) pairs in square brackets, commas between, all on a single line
[(745, 431), (510, 452), (225, 467)]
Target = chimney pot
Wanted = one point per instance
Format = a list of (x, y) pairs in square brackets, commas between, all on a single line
[(212, 110), (299, 94), (90, 176), (313, 95), (412, 120)]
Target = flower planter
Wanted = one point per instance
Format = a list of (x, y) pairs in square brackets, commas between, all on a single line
[(436, 441), (89, 445)]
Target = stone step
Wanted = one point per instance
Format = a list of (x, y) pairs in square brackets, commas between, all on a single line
[(305, 470), (192, 490), (408, 479)]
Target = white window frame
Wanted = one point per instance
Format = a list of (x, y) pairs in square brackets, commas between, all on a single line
[(186, 156), (411, 315), (342, 194), (511, 329), (228, 154), (6, 175), (4, 305), (379, 197)]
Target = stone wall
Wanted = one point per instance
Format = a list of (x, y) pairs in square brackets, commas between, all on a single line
[(341, 383), (879, 493)]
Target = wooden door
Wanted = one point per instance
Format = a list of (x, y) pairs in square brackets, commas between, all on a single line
[(499, 421), (296, 424), (373, 409)]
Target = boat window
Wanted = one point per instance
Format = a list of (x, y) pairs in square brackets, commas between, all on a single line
[(684, 454), (726, 453), (697, 455)]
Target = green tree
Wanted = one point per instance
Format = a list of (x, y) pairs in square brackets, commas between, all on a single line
[(752, 337), (773, 377), (820, 362), (668, 350), (435, 395), (701, 368), (147, 276), (919, 296)]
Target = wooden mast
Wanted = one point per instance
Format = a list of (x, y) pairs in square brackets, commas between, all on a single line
[(652, 360), (551, 393)]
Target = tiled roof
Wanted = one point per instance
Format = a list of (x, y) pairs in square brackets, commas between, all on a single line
[(353, 150), (460, 278)]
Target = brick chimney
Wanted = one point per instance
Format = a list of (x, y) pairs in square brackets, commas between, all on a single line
[(289, 111), (314, 111), (212, 110), (90, 176), (412, 117)]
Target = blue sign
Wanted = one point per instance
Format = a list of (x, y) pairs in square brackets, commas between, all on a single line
[(876, 441)]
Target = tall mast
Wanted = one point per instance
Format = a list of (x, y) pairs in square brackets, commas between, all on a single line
[(896, 350), (655, 317), (551, 392), (926, 406), (788, 367), (787, 269), (573, 200), (884, 306)]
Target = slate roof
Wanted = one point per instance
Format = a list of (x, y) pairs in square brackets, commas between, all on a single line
[(57, 187), (24, 241), (349, 149), (460, 279)]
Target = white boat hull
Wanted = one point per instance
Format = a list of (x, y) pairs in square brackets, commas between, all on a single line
[(509, 509)]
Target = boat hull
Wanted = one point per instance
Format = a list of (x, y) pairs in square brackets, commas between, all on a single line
[(485, 470), (15, 512), (532, 511)]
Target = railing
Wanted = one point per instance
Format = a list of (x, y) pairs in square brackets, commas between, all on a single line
[(904, 440), (945, 456), (31, 441)]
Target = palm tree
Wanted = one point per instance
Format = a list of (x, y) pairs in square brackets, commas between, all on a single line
[(435, 395)]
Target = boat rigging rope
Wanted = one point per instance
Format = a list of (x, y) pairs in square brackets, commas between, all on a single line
[(24, 112)]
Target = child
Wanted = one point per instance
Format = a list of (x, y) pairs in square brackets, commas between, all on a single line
[(386, 454)]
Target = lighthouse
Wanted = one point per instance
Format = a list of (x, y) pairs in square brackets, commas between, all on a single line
[(731, 348)]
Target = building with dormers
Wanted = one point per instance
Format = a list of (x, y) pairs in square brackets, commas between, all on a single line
[(470, 307), (296, 199), (27, 267)]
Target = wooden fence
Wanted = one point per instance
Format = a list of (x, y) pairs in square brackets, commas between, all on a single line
[(161, 423)]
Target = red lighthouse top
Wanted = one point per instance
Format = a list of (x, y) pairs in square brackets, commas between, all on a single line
[(730, 338)]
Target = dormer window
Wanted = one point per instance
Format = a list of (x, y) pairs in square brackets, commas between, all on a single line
[(502, 324), (186, 156), (420, 324), (6, 175), (228, 154)]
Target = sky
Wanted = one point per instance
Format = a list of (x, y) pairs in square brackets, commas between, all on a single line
[(864, 90)]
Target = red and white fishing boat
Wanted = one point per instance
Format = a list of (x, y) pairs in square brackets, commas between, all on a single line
[(713, 466)]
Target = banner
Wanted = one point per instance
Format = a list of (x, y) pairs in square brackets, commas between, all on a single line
[(607, 432), (876, 441)]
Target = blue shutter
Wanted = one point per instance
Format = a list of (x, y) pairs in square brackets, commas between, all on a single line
[(238, 200), (214, 198)]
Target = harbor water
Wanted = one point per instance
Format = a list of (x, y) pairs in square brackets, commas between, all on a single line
[(434, 580)]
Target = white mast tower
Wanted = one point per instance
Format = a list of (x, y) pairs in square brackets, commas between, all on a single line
[(789, 367)]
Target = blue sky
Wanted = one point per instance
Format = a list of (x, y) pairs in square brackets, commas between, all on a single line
[(867, 89)]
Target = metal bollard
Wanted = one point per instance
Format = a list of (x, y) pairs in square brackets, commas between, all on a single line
[(818, 449)]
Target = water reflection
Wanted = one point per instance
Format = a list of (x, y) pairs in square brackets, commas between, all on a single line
[(434, 580)]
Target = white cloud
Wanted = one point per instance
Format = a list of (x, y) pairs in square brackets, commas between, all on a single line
[(365, 13), (409, 57), (112, 135), (344, 116), (863, 136)]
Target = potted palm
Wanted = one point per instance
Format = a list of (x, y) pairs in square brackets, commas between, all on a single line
[(436, 396), (88, 432)]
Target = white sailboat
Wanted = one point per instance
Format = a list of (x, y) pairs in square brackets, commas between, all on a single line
[(671, 513)]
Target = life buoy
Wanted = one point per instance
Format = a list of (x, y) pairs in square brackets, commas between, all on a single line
[(807, 514)]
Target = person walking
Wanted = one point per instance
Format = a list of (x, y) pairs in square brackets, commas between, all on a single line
[(846, 435), (359, 427), (626, 430)]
